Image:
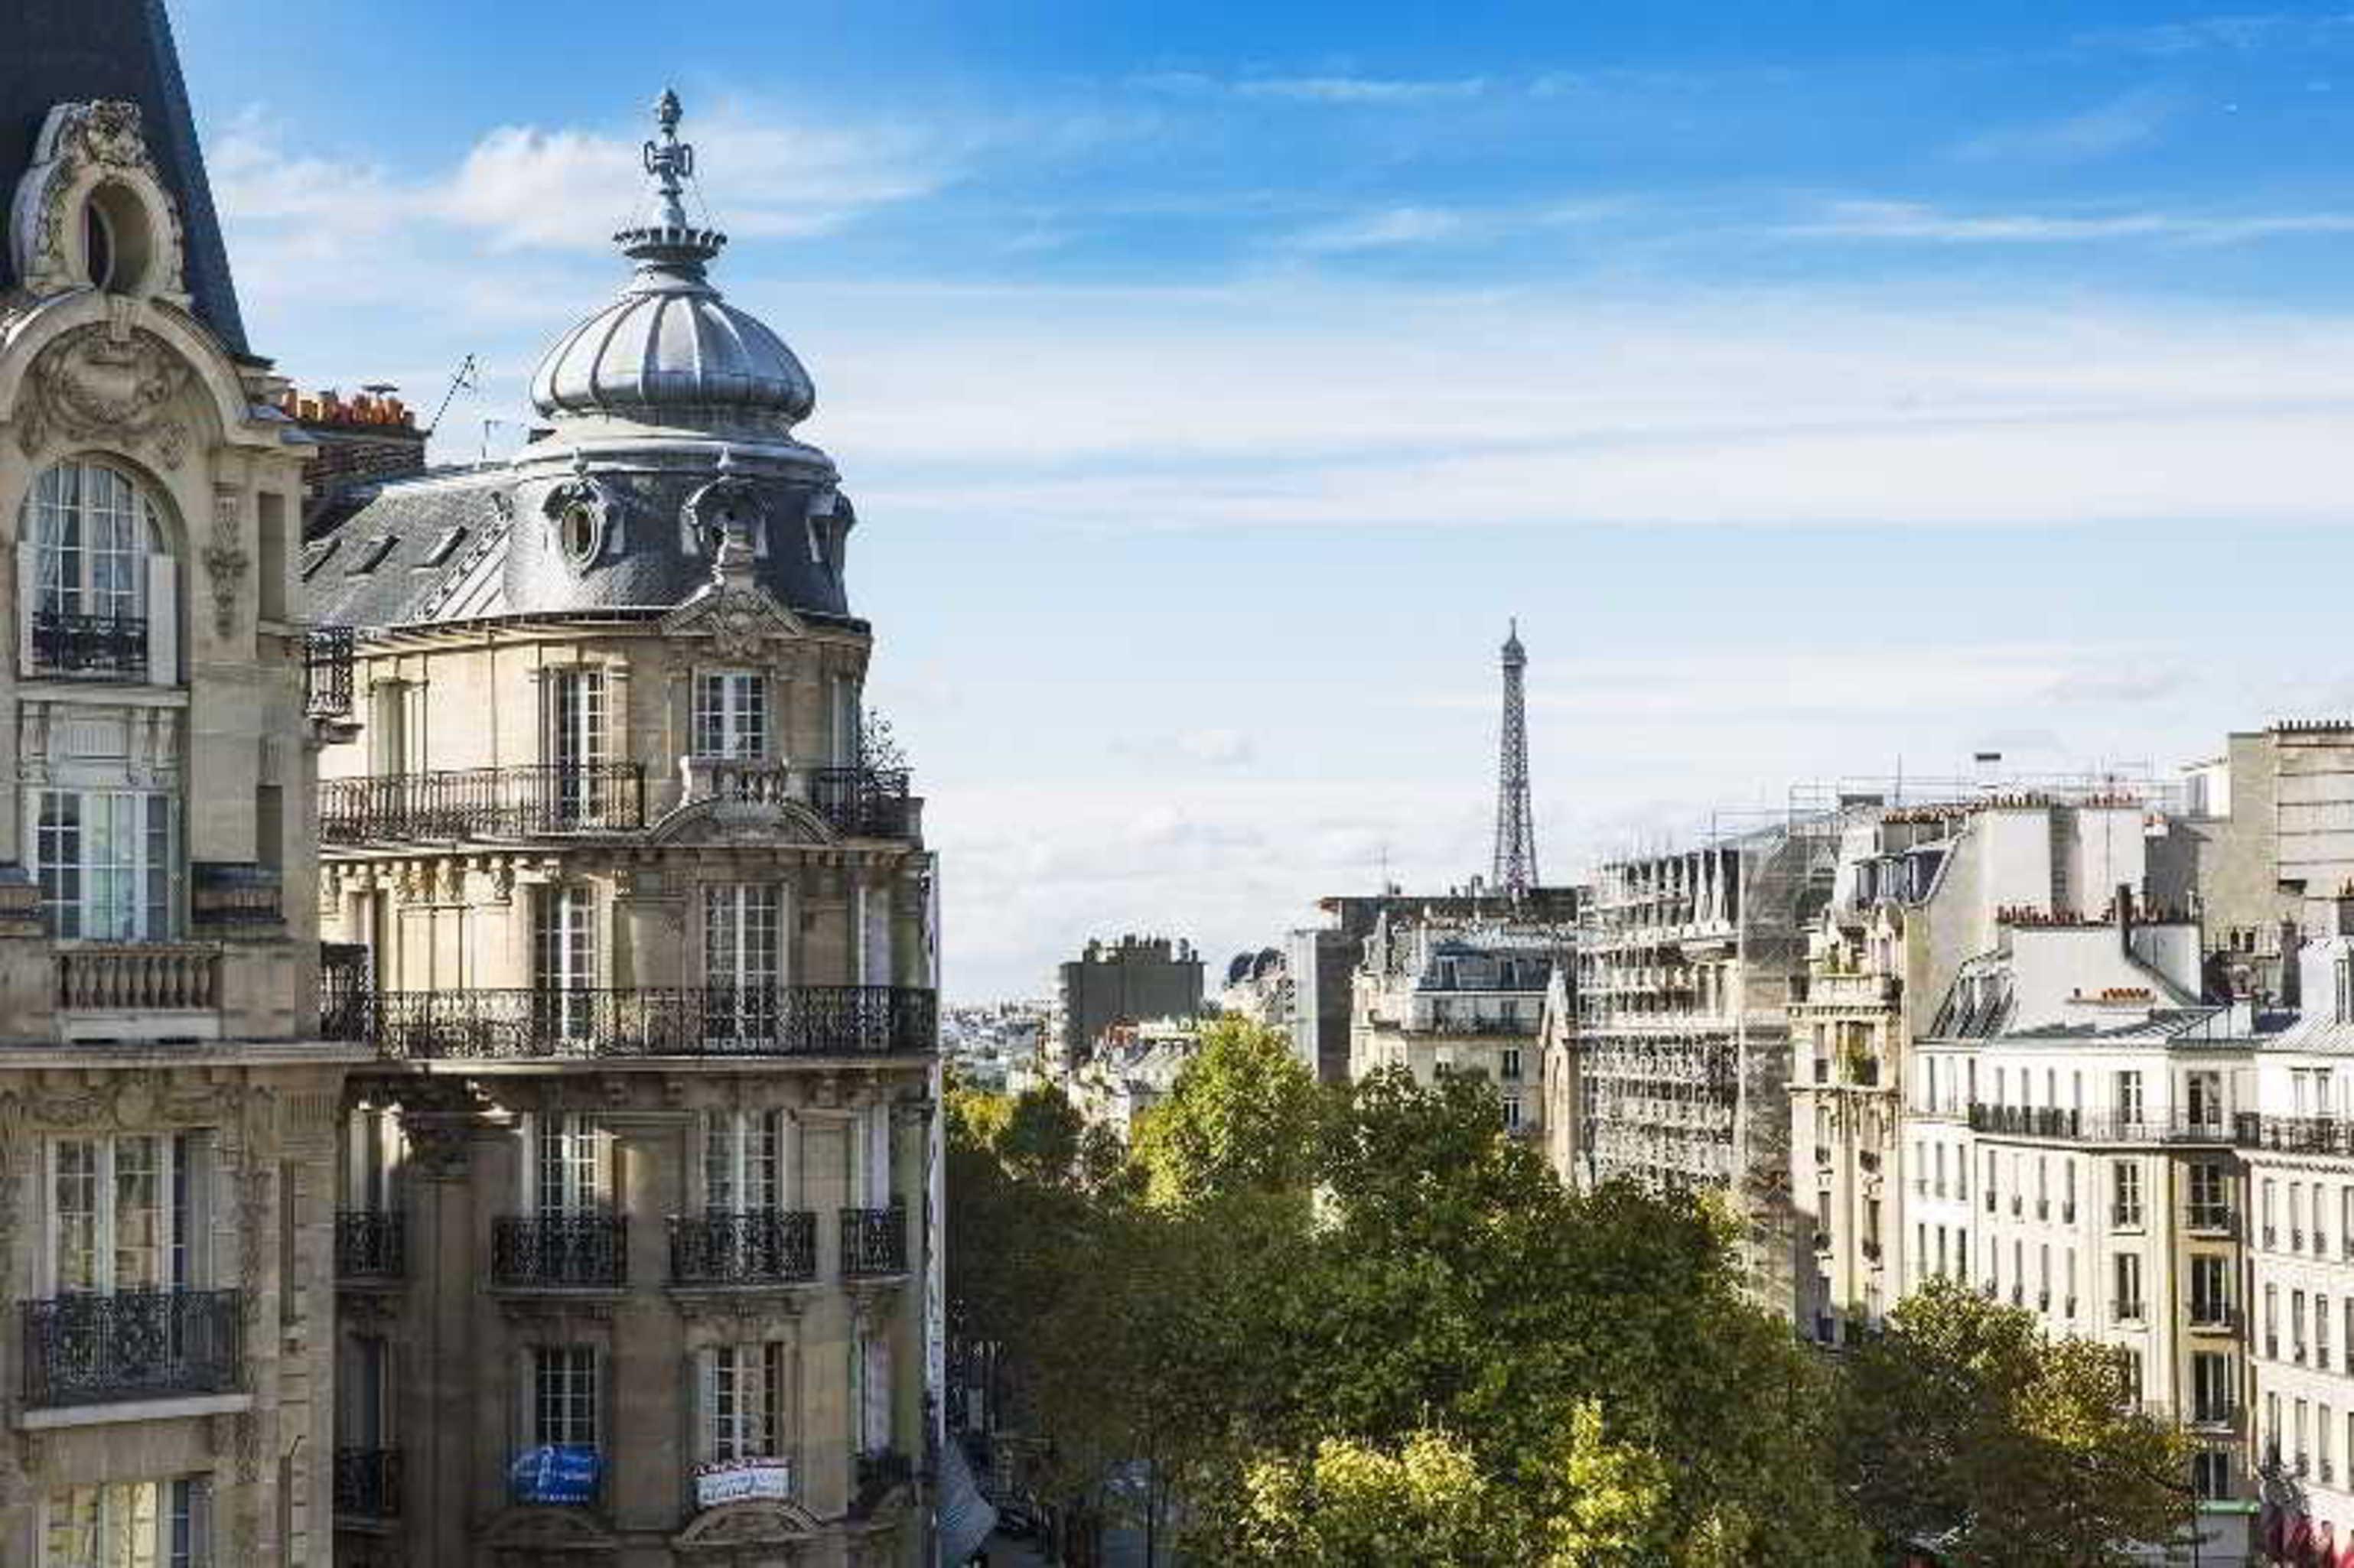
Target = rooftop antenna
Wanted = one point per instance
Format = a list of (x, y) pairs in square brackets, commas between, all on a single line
[(469, 376)]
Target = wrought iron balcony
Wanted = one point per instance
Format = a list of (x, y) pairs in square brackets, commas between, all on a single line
[(2218, 1316), (881, 1472), (2215, 1412), (874, 1240), (367, 1483), (134, 1344), (758, 1247), (864, 802), (65, 643), (2084, 1126), (761, 1020), (327, 671), (371, 1244), (560, 1251), (2295, 1135), (468, 804)]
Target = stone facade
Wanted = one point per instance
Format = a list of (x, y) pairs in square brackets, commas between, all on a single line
[(167, 1111)]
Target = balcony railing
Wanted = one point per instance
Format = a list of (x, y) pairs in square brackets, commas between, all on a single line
[(524, 801), (371, 1243), (2213, 1315), (2293, 1135), (559, 1251), (2212, 1217), (762, 1020), (134, 1344), (2214, 1412), (880, 1472), (367, 1483), (142, 977), (758, 1247), (89, 644), (2061, 1122), (874, 1240), (327, 671), (864, 802)]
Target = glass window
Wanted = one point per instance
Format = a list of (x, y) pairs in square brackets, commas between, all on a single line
[(93, 529), (743, 959), (572, 1167), (564, 1396), (2128, 1281), (731, 714), (744, 1395), (130, 1524), (124, 1212), (107, 864), (743, 1160)]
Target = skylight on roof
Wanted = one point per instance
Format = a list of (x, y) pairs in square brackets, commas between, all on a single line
[(445, 546), (378, 549)]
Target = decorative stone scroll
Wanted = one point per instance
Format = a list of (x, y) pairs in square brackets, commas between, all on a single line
[(106, 380), (226, 560)]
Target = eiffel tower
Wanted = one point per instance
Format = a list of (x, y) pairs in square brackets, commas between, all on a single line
[(1516, 829)]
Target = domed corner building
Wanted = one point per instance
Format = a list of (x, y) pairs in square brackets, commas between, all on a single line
[(637, 1213)]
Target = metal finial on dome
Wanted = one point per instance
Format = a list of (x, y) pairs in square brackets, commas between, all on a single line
[(672, 161), (670, 241)]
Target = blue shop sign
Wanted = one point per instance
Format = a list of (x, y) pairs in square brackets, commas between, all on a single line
[(556, 1473)]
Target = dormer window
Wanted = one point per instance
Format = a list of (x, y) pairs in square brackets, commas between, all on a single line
[(94, 584)]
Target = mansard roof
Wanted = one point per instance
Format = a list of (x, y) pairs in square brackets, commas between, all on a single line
[(67, 51)]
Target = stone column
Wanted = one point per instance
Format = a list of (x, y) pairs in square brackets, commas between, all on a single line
[(647, 1452), (452, 1466)]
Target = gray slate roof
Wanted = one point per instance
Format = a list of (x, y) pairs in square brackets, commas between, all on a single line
[(67, 51)]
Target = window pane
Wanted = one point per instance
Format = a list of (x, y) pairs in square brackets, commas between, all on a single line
[(77, 1212)]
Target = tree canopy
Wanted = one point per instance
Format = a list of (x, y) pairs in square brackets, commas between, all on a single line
[(1335, 1321)]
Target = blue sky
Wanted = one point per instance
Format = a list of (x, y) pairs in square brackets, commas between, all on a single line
[(1829, 389)]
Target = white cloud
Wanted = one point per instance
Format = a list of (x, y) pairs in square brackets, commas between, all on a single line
[(1300, 403), (1384, 229), (1362, 91), (521, 186), (2094, 133), (1866, 220)]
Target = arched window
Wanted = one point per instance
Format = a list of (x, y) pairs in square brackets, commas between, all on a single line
[(95, 581)]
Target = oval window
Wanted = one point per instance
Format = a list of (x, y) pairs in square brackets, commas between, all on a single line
[(576, 529)]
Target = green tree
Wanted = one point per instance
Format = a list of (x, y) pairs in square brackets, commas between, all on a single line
[(1356, 1505), (1241, 1117), (1964, 1422)]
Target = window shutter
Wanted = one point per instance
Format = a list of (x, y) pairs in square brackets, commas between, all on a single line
[(28, 600), (163, 622)]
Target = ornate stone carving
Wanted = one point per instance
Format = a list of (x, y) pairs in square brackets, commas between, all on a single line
[(531, 1537), (105, 381), (585, 514), (731, 1313), (253, 1226), (79, 146), (749, 1533), (226, 561)]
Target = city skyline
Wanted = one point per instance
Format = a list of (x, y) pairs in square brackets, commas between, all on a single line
[(1619, 325)]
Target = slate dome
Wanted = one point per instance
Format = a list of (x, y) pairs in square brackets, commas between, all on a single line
[(670, 351)]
